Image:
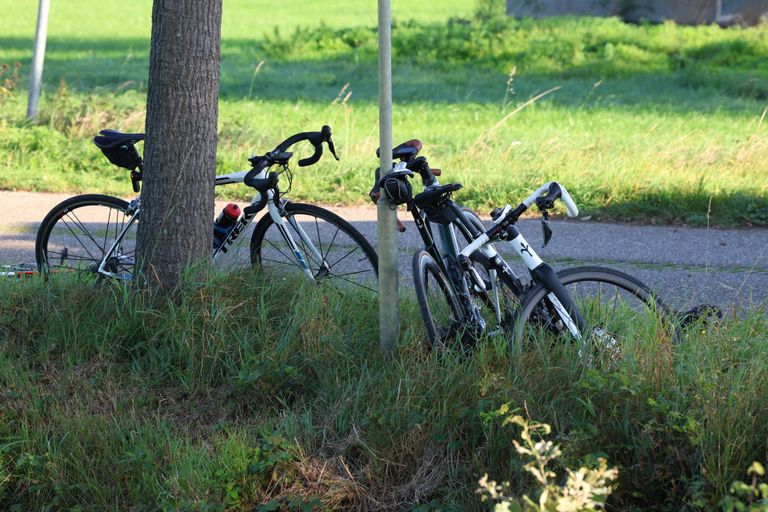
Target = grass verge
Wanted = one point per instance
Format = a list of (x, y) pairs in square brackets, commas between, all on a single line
[(243, 392)]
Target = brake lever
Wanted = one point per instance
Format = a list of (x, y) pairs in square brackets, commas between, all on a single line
[(332, 148), (135, 179), (325, 133), (545, 227)]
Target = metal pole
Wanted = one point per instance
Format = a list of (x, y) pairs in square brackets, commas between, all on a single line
[(38, 57), (389, 297)]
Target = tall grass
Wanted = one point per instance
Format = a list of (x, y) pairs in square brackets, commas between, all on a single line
[(244, 390)]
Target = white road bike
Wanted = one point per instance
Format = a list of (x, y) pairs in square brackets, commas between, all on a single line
[(95, 235)]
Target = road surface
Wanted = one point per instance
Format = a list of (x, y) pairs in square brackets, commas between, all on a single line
[(687, 266)]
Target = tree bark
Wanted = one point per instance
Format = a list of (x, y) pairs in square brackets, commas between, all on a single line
[(175, 229)]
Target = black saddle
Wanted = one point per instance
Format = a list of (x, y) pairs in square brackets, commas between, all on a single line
[(434, 195), (435, 203), (110, 138), (406, 151)]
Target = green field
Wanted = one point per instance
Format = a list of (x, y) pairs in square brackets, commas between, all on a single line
[(651, 123), (217, 399)]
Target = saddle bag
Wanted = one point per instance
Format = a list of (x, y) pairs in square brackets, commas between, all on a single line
[(123, 155)]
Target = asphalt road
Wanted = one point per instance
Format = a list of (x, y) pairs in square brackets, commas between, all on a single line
[(686, 266)]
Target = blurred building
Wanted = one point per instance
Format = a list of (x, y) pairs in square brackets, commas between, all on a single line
[(689, 12)]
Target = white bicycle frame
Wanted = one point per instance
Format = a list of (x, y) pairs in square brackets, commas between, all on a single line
[(242, 223), (526, 252)]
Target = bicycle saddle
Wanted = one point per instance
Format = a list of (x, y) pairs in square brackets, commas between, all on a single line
[(110, 138), (405, 151), (432, 195)]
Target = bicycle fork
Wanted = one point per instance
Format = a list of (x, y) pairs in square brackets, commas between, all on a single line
[(450, 248), (558, 296), (275, 213)]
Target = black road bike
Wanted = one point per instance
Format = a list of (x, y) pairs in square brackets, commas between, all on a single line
[(465, 293), (95, 235)]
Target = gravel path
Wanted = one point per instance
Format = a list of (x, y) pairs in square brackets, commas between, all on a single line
[(687, 266)]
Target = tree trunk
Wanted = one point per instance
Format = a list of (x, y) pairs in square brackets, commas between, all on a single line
[(175, 229)]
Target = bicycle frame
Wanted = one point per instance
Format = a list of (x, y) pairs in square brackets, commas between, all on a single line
[(447, 260), (456, 260), (257, 204), (541, 272)]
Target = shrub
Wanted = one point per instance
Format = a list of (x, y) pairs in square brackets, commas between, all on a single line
[(585, 489)]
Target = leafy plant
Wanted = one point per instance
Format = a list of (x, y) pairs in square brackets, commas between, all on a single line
[(750, 497), (489, 9), (585, 489)]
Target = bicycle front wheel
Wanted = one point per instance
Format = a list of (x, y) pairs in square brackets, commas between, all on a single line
[(86, 235), (616, 307), (330, 249)]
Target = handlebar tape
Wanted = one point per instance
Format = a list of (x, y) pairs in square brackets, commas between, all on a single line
[(570, 205), (315, 156), (316, 139)]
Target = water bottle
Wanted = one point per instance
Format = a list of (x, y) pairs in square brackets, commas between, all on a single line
[(224, 223)]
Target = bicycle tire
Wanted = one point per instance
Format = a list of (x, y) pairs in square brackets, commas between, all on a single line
[(65, 236), (265, 248), (440, 308), (640, 309)]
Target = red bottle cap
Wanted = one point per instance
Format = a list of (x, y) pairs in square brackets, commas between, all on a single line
[(232, 211)]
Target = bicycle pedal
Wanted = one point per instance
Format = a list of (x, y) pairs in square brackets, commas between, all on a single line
[(707, 313)]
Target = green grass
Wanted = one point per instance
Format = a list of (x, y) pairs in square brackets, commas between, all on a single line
[(652, 123), (217, 398)]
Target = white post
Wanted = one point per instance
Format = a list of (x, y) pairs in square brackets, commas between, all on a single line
[(389, 297), (38, 57)]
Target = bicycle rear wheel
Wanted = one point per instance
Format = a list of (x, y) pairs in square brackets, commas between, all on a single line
[(616, 307), (77, 234), (440, 309), (332, 250)]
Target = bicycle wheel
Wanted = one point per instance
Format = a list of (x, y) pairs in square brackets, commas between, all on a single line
[(336, 254), (616, 307), (440, 309), (491, 289), (77, 234)]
